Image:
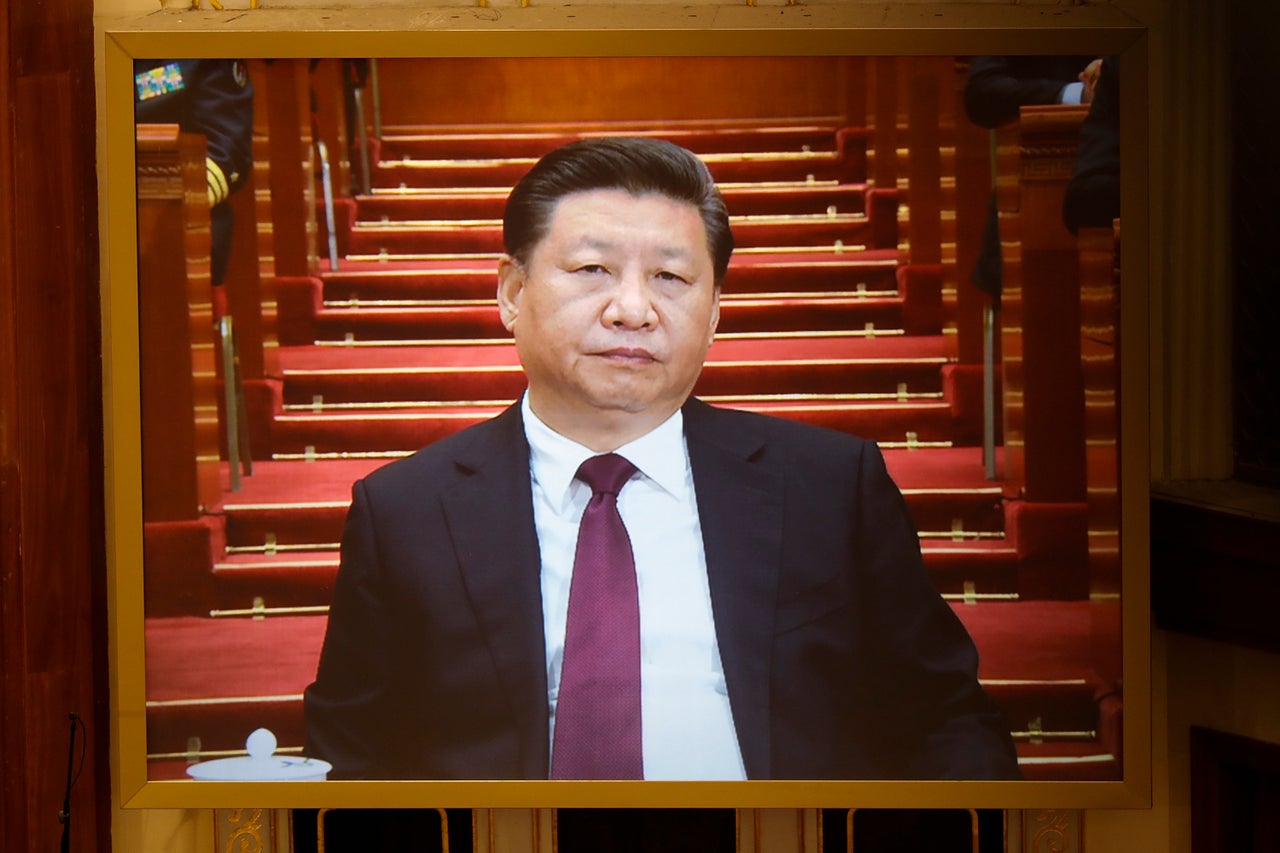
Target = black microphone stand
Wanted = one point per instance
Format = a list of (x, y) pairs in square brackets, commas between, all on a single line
[(64, 816)]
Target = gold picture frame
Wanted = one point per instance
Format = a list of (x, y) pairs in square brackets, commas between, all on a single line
[(393, 32)]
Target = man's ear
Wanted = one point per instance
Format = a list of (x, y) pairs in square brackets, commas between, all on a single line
[(510, 286)]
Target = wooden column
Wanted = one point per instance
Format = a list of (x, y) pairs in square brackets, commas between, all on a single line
[(283, 97), (1099, 253), (175, 322), (331, 121), (53, 638), (244, 284), (882, 81), (923, 151), (972, 193), (1043, 390)]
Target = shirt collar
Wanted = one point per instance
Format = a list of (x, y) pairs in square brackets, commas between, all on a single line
[(660, 455)]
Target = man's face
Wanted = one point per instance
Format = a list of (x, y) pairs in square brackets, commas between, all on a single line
[(613, 312)]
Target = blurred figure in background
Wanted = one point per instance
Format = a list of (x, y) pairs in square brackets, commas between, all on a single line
[(214, 98)]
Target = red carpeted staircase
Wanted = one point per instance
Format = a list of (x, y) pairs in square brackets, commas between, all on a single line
[(401, 345)]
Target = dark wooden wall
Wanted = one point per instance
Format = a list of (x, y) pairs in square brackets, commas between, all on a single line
[(52, 577), (480, 91)]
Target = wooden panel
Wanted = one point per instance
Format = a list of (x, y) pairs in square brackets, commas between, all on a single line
[(52, 622), (1099, 325), (883, 111), (973, 189), (260, 187), (243, 282), (286, 103), (1043, 382), (179, 402), (479, 91), (331, 121), (1214, 568), (924, 130)]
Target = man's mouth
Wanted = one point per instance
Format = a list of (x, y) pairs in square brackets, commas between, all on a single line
[(628, 355)]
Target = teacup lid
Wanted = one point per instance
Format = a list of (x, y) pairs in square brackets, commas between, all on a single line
[(261, 764)]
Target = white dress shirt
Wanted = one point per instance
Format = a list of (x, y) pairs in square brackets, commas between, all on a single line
[(687, 725)]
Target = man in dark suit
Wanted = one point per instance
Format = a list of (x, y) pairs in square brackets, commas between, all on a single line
[(787, 627)]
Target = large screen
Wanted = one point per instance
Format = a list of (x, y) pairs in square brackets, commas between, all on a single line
[(304, 251)]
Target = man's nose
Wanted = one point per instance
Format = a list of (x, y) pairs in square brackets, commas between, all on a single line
[(631, 304)]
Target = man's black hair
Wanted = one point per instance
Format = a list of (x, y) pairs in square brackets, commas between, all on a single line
[(637, 165)]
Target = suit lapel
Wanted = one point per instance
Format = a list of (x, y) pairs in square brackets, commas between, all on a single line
[(490, 516), (740, 510)]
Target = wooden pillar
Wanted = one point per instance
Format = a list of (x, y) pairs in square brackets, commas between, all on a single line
[(1044, 395), (175, 327), (972, 195), (855, 81), (1099, 252), (882, 81), (287, 111), (331, 121), (53, 638)]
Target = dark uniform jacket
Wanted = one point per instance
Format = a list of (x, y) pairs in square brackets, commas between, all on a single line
[(214, 98)]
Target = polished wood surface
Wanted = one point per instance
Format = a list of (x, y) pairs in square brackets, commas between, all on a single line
[(282, 91), (927, 125), (972, 191), (479, 91), (1099, 253), (1043, 381), (244, 285), (52, 565), (175, 327), (331, 121)]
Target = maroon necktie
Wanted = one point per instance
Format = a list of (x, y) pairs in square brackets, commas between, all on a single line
[(597, 731)]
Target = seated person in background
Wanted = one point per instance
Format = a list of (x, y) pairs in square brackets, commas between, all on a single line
[(999, 86), (1093, 196), (214, 98), (614, 580), (996, 88)]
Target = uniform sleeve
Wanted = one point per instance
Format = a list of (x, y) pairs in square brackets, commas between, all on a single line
[(221, 108)]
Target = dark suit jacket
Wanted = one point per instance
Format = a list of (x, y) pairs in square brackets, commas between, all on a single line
[(841, 660)]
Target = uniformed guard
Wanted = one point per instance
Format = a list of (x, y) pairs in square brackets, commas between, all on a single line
[(212, 97)]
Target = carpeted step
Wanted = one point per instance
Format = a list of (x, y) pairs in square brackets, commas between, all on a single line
[(746, 199), (882, 422), (279, 524), (282, 579), (846, 166), (480, 318), (814, 272), (285, 504), (968, 570), (964, 572), (443, 236), (1089, 761), (381, 430), (461, 372), (366, 431), (435, 322), (429, 143), (218, 679)]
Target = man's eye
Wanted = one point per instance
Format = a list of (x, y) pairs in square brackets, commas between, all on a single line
[(667, 275), (590, 269)]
